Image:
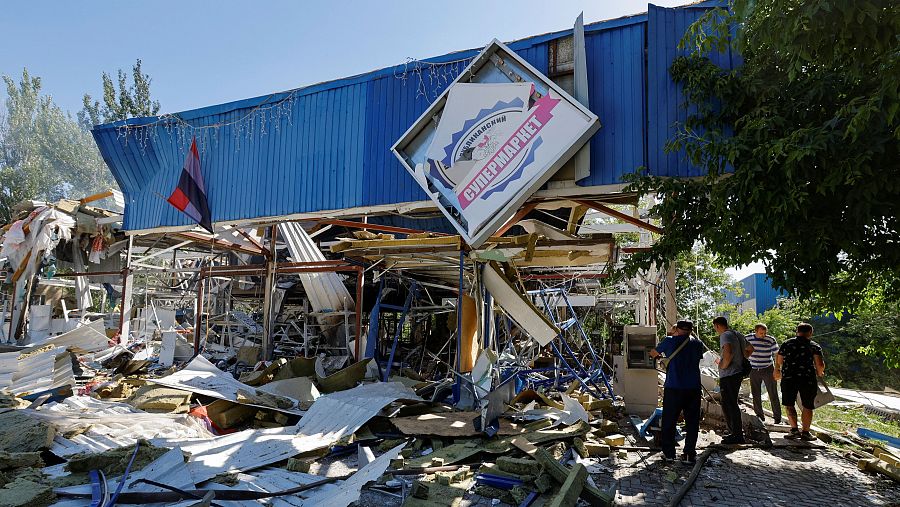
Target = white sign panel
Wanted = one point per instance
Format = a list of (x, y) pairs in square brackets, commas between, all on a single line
[(495, 142)]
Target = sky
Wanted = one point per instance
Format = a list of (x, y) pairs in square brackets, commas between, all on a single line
[(200, 53), (739, 273)]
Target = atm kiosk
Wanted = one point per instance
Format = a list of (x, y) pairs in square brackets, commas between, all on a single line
[(636, 378)]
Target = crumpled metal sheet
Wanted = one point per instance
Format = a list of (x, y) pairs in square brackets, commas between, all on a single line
[(31, 371), (111, 425), (85, 339), (571, 413), (202, 377), (331, 418), (337, 494)]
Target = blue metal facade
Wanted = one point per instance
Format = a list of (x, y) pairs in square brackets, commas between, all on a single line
[(665, 28), (326, 146), (758, 288)]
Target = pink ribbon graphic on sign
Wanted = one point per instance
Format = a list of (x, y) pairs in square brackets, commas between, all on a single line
[(499, 163)]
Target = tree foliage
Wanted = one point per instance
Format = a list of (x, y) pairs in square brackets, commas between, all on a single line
[(120, 100), (701, 285), (873, 328), (808, 128), (44, 154), (781, 320), (862, 351)]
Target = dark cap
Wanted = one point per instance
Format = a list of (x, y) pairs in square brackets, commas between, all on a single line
[(685, 325)]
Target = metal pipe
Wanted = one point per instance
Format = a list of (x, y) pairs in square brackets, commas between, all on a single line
[(198, 314), (586, 276), (459, 316), (85, 273), (124, 274), (360, 274)]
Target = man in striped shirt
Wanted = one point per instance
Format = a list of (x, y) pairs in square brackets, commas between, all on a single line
[(764, 349)]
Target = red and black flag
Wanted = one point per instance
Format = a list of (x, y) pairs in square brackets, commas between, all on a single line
[(190, 194)]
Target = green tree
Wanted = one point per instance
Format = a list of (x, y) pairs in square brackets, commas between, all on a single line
[(120, 100), (44, 154), (808, 127), (701, 285), (781, 320), (862, 351)]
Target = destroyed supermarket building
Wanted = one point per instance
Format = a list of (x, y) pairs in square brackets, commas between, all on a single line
[(436, 237), (326, 219), (326, 243)]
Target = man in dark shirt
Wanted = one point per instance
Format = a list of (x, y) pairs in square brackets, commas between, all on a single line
[(681, 392), (798, 363)]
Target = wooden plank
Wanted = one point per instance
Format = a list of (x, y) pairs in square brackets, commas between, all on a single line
[(452, 244), (447, 241), (532, 243), (571, 488), (522, 213), (376, 227), (618, 214), (575, 215), (560, 473), (96, 197)]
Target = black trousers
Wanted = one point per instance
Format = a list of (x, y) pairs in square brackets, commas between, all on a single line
[(676, 402), (729, 387)]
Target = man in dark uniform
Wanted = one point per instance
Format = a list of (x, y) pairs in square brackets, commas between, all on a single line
[(681, 392), (798, 363)]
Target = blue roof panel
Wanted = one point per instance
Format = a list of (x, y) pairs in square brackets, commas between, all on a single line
[(326, 146)]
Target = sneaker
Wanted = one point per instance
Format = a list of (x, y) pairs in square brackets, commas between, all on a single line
[(794, 434), (733, 440), (807, 436), (689, 459), (667, 460)]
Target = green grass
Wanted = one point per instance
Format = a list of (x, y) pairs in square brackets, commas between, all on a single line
[(847, 419)]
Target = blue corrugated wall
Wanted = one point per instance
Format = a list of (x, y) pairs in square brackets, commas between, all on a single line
[(616, 93), (665, 28), (757, 287), (328, 146)]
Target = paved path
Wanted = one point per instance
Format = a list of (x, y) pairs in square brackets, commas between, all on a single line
[(770, 478)]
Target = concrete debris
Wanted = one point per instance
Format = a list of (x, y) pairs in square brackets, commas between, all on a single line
[(114, 461), (170, 469), (23, 492), (12, 460), (152, 398), (21, 433)]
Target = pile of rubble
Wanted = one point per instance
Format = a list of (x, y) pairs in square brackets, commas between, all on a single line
[(290, 432)]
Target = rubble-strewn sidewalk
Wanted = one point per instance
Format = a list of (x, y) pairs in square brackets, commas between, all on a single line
[(773, 477)]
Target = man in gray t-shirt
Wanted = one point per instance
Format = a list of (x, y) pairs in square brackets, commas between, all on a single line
[(730, 377), (729, 345)]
